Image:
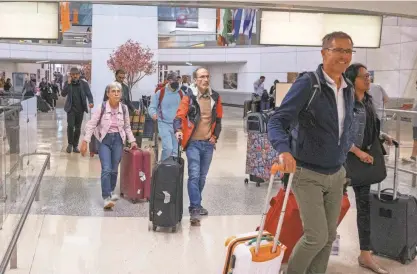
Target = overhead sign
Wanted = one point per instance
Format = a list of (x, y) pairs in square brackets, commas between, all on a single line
[(307, 29), (29, 20)]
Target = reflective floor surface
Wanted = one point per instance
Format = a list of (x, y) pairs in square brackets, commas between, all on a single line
[(68, 232)]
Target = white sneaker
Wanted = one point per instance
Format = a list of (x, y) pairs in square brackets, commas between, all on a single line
[(114, 197), (108, 203), (411, 160)]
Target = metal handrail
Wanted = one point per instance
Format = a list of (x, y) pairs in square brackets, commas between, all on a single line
[(11, 248), (401, 111)]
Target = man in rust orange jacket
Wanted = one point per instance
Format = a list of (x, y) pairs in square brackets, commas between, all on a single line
[(198, 125)]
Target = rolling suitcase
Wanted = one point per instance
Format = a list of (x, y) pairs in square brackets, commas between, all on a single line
[(257, 252), (42, 105), (135, 175), (166, 203), (292, 230), (394, 221)]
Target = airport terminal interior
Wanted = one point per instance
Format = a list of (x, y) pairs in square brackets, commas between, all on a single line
[(50, 200)]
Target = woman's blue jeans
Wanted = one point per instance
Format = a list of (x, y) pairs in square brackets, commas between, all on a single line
[(110, 153)]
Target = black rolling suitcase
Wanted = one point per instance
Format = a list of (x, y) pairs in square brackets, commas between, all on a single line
[(394, 221), (42, 105), (166, 201)]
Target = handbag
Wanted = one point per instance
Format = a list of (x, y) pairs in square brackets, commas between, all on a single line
[(362, 173)]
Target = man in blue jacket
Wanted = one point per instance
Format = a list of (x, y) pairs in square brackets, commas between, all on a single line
[(313, 144), (163, 107)]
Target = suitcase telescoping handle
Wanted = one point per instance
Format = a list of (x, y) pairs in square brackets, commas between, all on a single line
[(274, 170), (395, 187), (179, 150)]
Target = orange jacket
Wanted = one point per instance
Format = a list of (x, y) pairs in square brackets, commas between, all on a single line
[(188, 116)]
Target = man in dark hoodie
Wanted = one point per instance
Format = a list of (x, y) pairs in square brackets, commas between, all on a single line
[(319, 136), (78, 92), (120, 77)]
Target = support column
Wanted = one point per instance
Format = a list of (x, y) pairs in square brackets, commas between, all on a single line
[(113, 25)]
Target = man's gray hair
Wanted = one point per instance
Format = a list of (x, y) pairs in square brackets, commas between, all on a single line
[(196, 71), (328, 38), (114, 85)]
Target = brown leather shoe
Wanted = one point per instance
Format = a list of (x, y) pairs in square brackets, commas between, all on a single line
[(373, 267)]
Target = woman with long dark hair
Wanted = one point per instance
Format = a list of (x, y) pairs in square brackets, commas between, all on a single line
[(365, 133)]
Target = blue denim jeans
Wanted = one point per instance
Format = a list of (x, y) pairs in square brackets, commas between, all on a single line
[(169, 141), (110, 153), (199, 155)]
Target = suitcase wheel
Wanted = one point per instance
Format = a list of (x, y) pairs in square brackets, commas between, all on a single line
[(258, 184), (246, 181), (174, 229), (154, 227), (121, 195), (134, 201)]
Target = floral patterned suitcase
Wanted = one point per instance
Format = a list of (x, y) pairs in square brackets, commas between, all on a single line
[(260, 155)]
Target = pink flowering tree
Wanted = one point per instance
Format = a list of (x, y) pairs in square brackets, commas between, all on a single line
[(135, 60), (86, 71)]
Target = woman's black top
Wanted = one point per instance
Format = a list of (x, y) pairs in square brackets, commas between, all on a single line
[(371, 125)]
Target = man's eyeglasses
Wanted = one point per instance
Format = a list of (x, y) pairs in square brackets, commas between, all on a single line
[(341, 51)]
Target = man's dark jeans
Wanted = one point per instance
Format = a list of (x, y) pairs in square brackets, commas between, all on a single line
[(74, 120)]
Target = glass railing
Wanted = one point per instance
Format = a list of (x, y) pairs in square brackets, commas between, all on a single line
[(21, 170), (204, 40), (67, 39), (190, 40), (398, 121)]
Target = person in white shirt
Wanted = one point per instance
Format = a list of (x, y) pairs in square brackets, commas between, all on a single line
[(412, 158), (258, 86), (379, 98)]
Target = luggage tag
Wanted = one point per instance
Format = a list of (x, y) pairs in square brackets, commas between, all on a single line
[(142, 176), (167, 198)]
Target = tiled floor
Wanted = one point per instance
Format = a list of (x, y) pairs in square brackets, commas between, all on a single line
[(68, 232)]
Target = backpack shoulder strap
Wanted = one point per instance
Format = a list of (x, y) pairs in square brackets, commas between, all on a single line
[(124, 110), (180, 93), (161, 96), (103, 107), (315, 86)]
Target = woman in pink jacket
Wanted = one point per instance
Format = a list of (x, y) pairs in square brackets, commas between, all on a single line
[(111, 126)]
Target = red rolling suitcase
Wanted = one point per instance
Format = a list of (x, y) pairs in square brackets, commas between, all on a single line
[(292, 229), (135, 175)]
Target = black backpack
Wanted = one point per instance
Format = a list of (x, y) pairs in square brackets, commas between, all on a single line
[(306, 117)]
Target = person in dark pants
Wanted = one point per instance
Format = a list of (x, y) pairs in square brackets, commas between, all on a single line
[(365, 128), (75, 106), (46, 92), (55, 93)]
